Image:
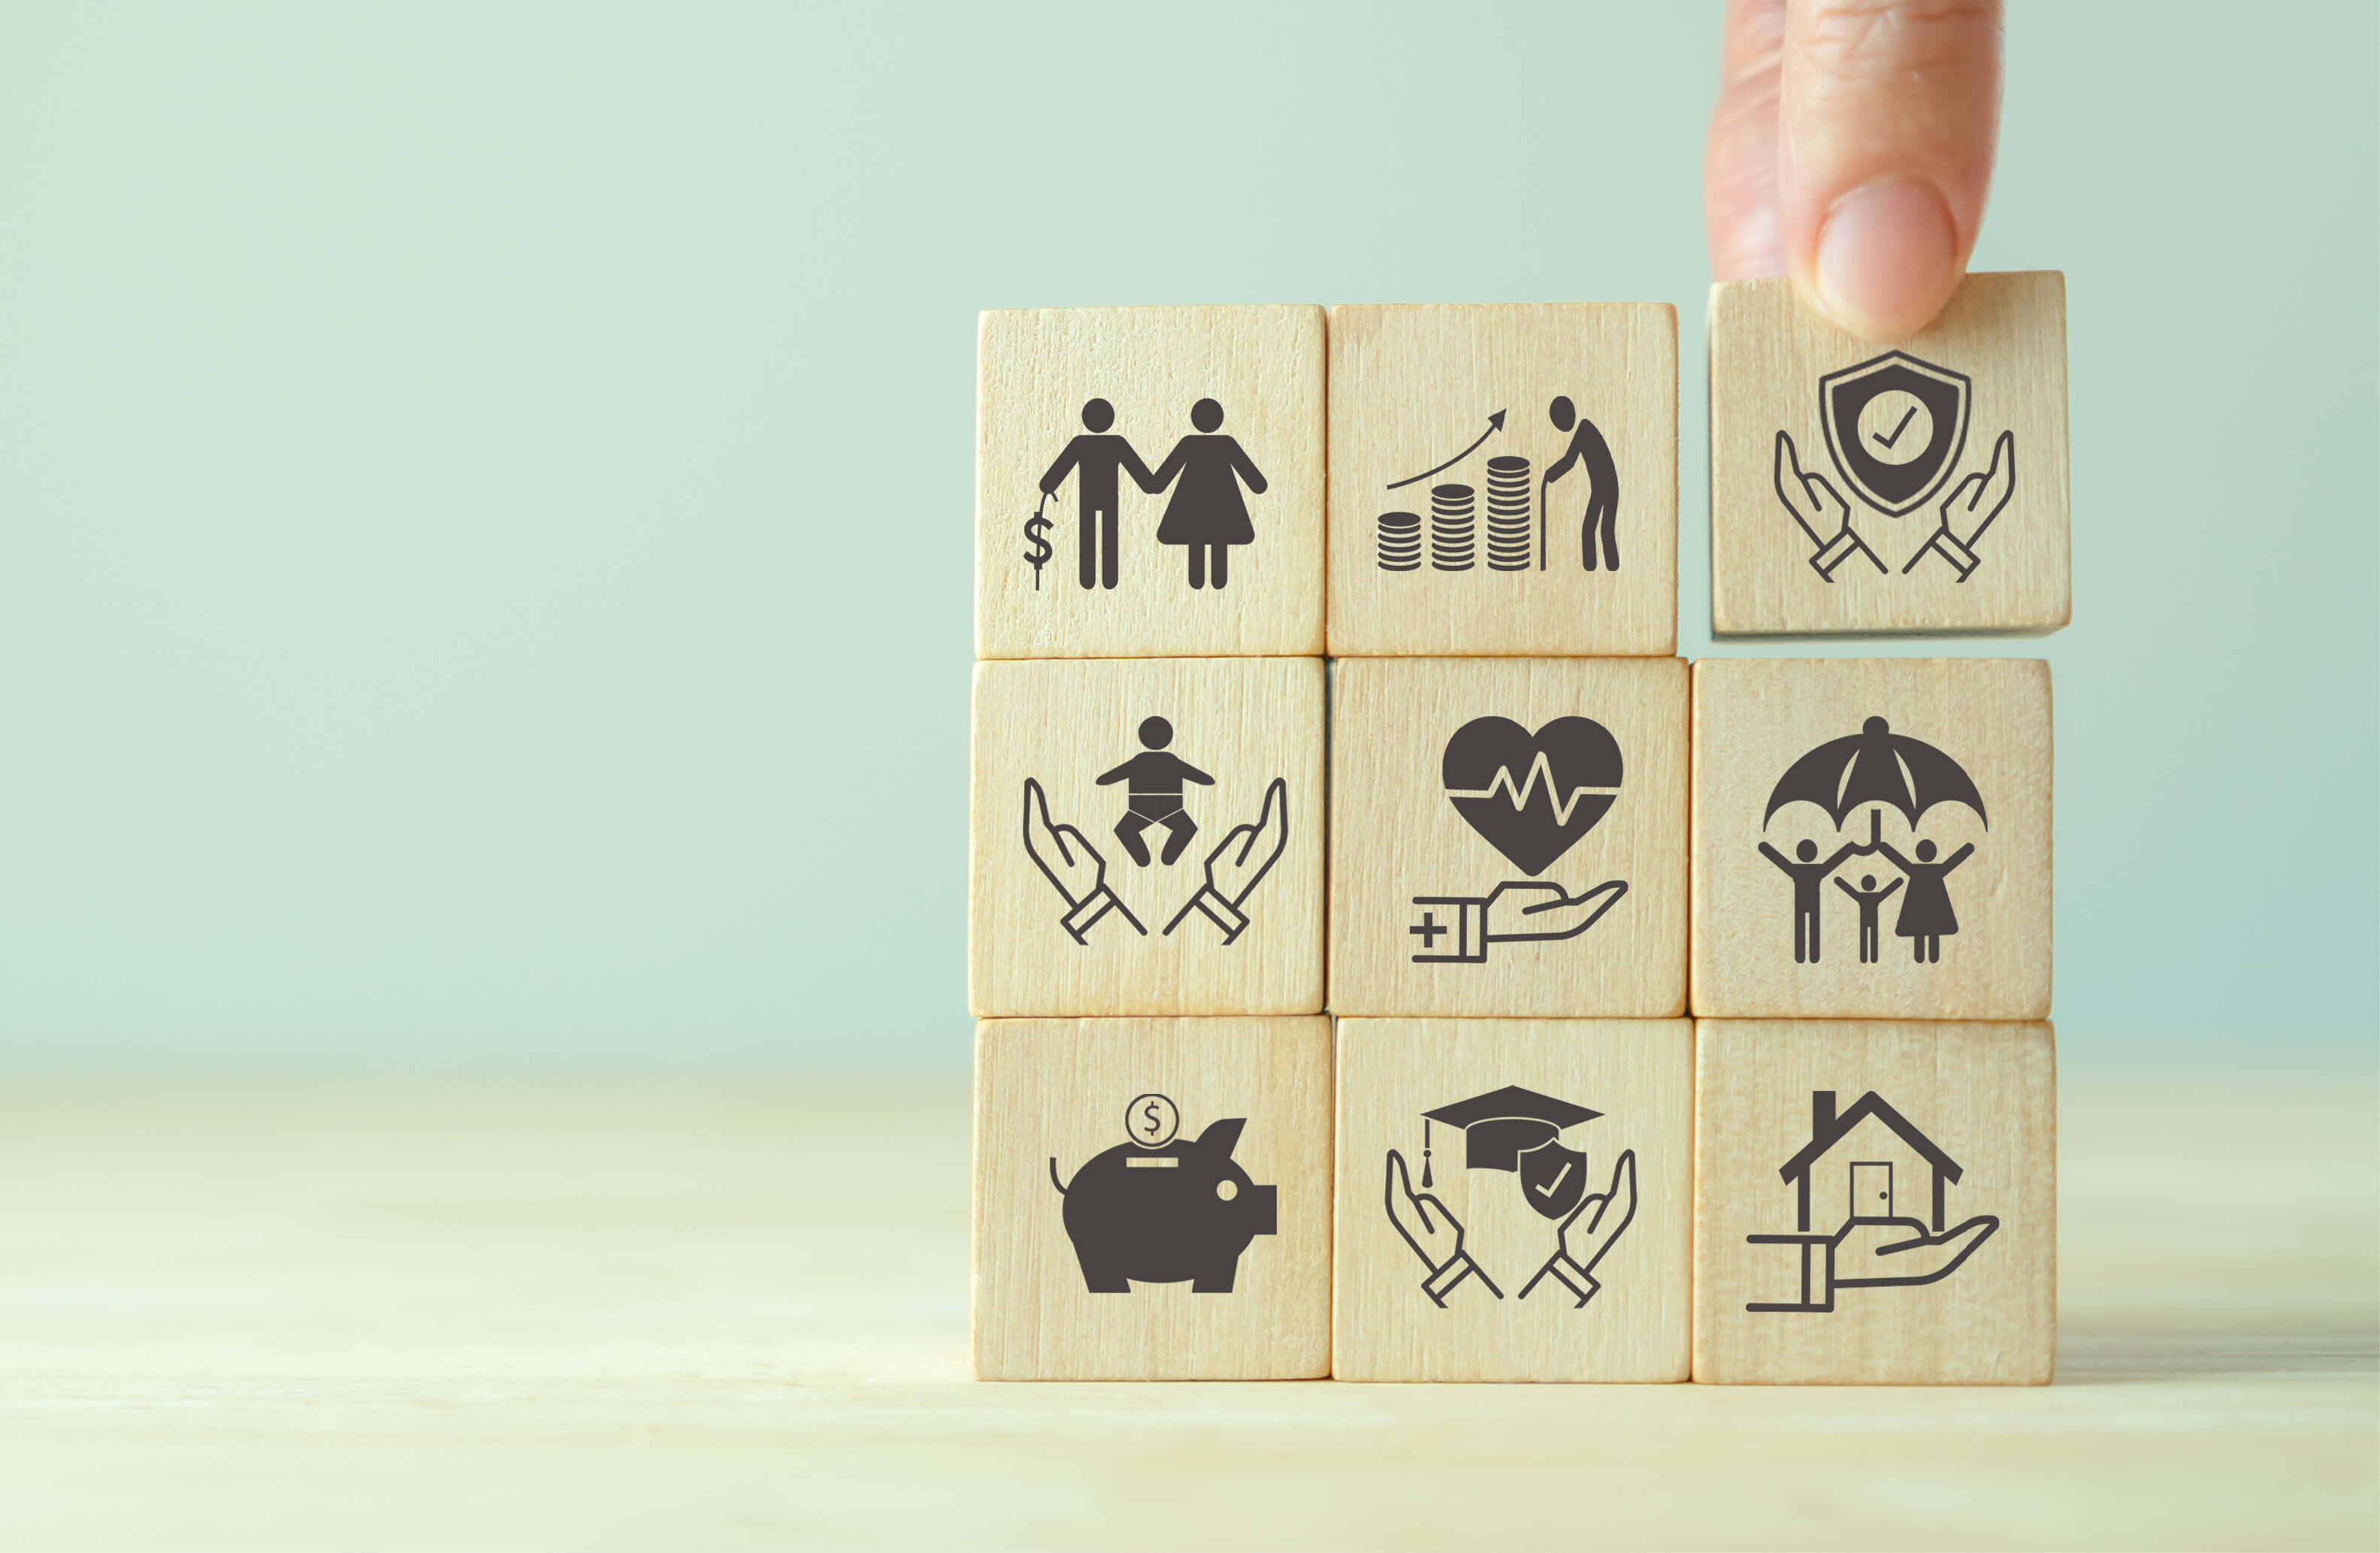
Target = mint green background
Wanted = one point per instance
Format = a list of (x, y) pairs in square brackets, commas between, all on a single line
[(484, 490)]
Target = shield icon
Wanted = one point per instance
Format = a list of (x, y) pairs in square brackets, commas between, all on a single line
[(1553, 1179), (1895, 426)]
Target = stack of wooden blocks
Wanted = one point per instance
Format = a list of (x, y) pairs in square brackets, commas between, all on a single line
[(1392, 962)]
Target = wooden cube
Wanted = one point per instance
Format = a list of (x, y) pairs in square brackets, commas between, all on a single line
[(1509, 837), (1145, 837), (1514, 1199), (1153, 1199), (1504, 479), (1872, 838), (1876, 1203), (1914, 486), (1148, 482)]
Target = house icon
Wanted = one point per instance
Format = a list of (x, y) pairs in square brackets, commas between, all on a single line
[(1874, 1166), (1887, 1163)]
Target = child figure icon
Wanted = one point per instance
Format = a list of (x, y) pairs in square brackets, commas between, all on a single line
[(1154, 779), (1870, 902)]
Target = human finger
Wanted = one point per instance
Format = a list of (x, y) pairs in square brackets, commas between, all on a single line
[(1739, 155), (1887, 116)]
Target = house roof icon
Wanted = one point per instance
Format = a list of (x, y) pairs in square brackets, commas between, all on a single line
[(1826, 1129)]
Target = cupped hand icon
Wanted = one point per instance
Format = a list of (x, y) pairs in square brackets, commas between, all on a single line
[(1607, 1215), (1969, 508), (1553, 915), (1239, 863), (1517, 910), (1824, 516), (1435, 1234), (1072, 867), (1876, 1254)]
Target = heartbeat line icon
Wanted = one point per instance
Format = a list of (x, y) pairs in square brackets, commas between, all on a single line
[(1540, 769)]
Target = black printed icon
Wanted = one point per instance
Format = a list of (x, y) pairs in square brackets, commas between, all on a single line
[(1872, 1160), (1153, 794), (1569, 777), (1097, 458), (1036, 542), (1154, 798), (1517, 537), (1895, 426), (1599, 503), (1875, 769), (1518, 1130), (1072, 867), (1206, 514), (1155, 1209)]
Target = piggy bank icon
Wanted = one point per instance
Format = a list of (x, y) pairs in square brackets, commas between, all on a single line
[(1161, 1215)]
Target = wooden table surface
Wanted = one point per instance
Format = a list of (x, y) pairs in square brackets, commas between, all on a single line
[(676, 1314)]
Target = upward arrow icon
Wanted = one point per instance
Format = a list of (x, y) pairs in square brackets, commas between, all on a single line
[(1495, 424)]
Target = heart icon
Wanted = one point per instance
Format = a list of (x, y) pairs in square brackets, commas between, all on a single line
[(1531, 797)]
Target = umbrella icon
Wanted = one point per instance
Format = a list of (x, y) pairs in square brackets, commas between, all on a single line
[(1875, 766)]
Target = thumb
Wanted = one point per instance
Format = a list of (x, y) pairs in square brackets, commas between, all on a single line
[(1888, 114)]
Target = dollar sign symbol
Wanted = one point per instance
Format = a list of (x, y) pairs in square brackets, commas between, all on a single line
[(1149, 1112), (1037, 534)]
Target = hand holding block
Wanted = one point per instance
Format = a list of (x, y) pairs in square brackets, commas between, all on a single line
[(1153, 1199), (1872, 838), (1916, 486), (1504, 479), (1145, 837), (1509, 837), (1148, 482), (1513, 1199), (1874, 1203)]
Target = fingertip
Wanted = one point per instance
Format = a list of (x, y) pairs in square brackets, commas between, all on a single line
[(1887, 259)]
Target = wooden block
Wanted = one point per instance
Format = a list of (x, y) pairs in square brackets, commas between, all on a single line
[(1145, 837), (1191, 1237), (1876, 1203), (1514, 1199), (1446, 536), (1913, 486), (1872, 838), (1181, 451), (1509, 837)]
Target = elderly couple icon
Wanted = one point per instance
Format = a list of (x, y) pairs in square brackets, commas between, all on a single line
[(1206, 516)]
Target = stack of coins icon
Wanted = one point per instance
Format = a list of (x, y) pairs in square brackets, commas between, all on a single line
[(1449, 527), (1401, 541), (1509, 543)]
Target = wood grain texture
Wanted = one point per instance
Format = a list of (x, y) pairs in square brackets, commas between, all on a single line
[(1411, 386), (1639, 1075), (1057, 1090), (1396, 836), (1982, 1095), (1754, 719), (1249, 724), (616, 1310), (1036, 371), (2007, 335)]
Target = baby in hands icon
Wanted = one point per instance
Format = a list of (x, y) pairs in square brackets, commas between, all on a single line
[(1154, 780)]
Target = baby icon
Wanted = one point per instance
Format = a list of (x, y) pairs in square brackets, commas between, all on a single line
[(1154, 781)]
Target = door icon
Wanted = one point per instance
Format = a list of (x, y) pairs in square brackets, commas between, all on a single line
[(1871, 1189)]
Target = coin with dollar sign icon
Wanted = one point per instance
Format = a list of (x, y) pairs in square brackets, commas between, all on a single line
[(1151, 1121)]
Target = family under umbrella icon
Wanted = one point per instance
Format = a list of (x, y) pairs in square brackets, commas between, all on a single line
[(1874, 769)]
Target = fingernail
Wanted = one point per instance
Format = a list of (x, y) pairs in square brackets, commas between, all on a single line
[(1888, 257)]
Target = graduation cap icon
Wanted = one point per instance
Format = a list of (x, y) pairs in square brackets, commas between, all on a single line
[(1500, 1126)]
